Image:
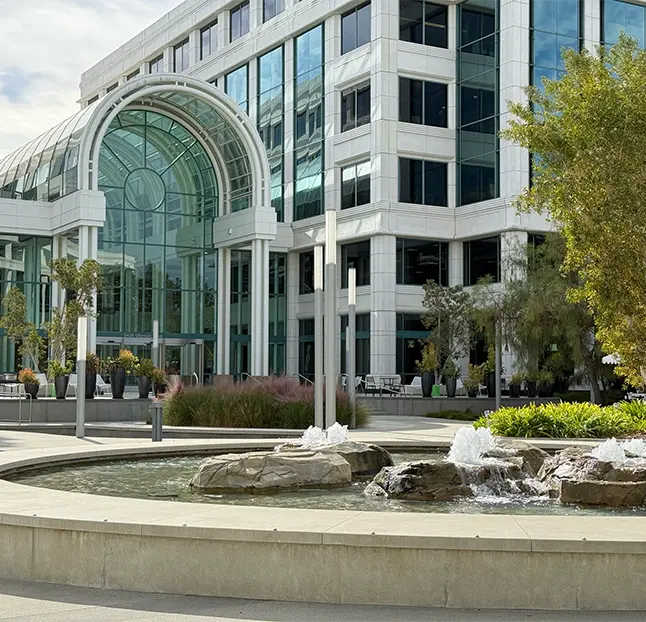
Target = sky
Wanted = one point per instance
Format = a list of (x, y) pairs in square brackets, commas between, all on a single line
[(45, 46)]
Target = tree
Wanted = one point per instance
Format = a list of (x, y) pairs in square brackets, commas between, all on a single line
[(588, 131), (447, 315), (80, 284), (24, 334)]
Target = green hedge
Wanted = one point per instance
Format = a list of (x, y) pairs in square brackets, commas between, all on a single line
[(567, 420), (279, 402)]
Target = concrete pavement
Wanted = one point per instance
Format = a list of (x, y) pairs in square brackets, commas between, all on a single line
[(42, 602)]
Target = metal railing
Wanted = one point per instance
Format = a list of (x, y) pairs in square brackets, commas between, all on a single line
[(301, 377), (16, 391)]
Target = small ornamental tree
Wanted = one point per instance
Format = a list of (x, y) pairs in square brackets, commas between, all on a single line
[(24, 334), (587, 131)]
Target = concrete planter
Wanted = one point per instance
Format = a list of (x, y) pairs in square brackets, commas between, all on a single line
[(451, 384), (144, 383), (32, 389), (90, 385), (118, 383), (428, 380), (60, 385)]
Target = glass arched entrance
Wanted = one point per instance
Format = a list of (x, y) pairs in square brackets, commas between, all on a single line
[(156, 245)]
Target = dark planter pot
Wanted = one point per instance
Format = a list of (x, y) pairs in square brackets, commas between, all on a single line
[(490, 381), (60, 384), (118, 383), (144, 383), (472, 393), (544, 390), (514, 390), (90, 385), (531, 388), (428, 380), (32, 389), (451, 384), (160, 389)]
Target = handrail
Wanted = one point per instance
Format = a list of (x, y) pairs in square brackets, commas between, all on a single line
[(197, 379), (244, 375), (302, 378)]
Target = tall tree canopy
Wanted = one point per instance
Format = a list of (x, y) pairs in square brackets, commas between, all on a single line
[(588, 133)]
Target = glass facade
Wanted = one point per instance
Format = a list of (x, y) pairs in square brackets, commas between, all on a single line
[(271, 8), (422, 182), (621, 16), (408, 347), (355, 185), (277, 313), (24, 264), (478, 105), (308, 124), (419, 261), (156, 245), (180, 57), (240, 324), (133, 75), (239, 21), (482, 260), (208, 40), (236, 86), (355, 28), (306, 348), (356, 256), (362, 344), (423, 22), (306, 273), (355, 107), (555, 24), (422, 102), (271, 113)]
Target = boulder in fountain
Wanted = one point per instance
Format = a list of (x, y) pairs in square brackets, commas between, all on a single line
[(365, 459), (433, 480), (506, 448), (270, 471)]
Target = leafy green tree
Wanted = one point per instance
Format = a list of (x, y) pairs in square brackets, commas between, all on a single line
[(24, 334), (588, 131)]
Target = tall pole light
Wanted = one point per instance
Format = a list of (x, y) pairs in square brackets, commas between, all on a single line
[(498, 354), (330, 317), (81, 354), (319, 414), (351, 343)]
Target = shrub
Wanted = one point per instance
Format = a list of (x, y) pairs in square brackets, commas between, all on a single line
[(92, 363), (56, 369), (566, 420), (278, 402), (28, 376), (144, 368)]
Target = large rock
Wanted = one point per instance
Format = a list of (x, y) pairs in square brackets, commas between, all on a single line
[(272, 471), (511, 447), (576, 477), (365, 459), (438, 480)]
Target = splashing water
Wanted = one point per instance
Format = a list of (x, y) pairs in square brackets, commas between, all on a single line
[(315, 437), (470, 444), (614, 451)]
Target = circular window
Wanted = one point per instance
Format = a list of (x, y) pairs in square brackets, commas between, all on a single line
[(145, 189)]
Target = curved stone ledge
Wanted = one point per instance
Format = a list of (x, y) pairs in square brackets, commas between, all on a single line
[(457, 560)]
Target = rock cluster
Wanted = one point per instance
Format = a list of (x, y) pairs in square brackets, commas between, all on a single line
[(290, 467)]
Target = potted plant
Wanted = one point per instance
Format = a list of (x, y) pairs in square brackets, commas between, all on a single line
[(530, 380), (451, 373), (118, 368), (92, 368), (28, 378), (474, 379), (60, 374), (514, 385), (144, 370), (427, 367), (159, 381), (544, 383)]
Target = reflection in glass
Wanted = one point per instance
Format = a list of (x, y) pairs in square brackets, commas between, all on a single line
[(356, 256), (236, 87), (355, 28), (482, 260), (419, 261), (623, 16)]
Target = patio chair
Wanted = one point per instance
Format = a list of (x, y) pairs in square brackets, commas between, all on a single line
[(74, 380), (372, 384), (102, 387), (415, 387), (46, 388)]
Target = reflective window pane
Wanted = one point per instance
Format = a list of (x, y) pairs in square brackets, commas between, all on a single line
[(419, 261), (355, 28), (481, 260), (271, 8), (236, 87), (239, 18), (422, 182), (356, 256)]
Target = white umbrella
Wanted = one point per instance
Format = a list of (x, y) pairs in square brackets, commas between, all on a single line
[(611, 359)]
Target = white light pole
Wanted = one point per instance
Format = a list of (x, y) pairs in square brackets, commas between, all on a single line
[(319, 414), (81, 354), (350, 343), (330, 317), (155, 351)]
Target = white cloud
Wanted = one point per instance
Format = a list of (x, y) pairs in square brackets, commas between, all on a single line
[(45, 45)]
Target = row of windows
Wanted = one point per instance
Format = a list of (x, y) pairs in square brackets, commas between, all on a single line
[(417, 261)]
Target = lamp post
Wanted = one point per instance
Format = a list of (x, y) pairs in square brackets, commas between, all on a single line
[(319, 375), (155, 351), (81, 354), (330, 317), (350, 343)]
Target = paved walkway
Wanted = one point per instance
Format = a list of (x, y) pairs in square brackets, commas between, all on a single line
[(39, 602)]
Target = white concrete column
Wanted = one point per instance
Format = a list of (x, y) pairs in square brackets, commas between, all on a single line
[(194, 40), (252, 90), (265, 307), (93, 254), (260, 306), (511, 244), (255, 13), (291, 355), (456, 263), (224, 311), (332, 110), (169, 59), (383, 316), (224, 29), (514, 76), (591, 24)]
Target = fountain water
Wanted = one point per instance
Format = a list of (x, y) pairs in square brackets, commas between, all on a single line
[(315, 437), (469, 445), (615, 451)]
